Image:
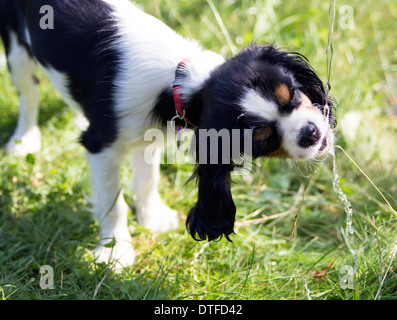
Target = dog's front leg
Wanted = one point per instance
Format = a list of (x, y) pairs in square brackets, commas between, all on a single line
[(151, 211), (110, 209)]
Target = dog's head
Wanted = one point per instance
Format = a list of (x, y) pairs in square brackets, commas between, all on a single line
[(277, 96)]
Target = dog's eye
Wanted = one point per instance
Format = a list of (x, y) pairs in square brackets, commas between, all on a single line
[(294, 102), (296, 98), (293, 93)]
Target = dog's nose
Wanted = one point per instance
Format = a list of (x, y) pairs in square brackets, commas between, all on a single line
[(309, 135)]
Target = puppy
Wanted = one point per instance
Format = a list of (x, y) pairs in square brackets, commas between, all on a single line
[(127, 72)]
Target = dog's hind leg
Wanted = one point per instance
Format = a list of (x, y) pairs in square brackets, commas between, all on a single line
[(26, 138), (110, 209), (151, 211)]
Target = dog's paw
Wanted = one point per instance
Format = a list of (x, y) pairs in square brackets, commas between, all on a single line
[(21, 145), (159, 218), (117, 254)]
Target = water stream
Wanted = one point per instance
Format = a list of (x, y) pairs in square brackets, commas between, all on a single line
[(348, 232)]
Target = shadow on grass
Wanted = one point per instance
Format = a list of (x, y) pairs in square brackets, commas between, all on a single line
[(57, 229)]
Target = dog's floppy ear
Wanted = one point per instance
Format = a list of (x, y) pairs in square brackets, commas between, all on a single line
[(213, 215)]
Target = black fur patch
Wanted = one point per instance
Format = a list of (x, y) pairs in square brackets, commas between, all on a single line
[(81, 47)]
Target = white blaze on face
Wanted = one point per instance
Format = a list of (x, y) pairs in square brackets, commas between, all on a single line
[(290, 125)]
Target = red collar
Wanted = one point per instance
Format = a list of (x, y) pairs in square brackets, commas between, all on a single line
[(178, 101)]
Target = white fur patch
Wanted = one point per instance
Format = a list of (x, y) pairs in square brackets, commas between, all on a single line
[(26, 138), (151, 211), (3, 61), (150, 52), (110, 208), (255, 104), (292, 124)]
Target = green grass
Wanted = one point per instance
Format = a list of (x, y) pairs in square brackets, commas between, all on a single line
[(44, 211)]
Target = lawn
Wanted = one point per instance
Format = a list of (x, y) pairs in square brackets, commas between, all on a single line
[(45, 213)]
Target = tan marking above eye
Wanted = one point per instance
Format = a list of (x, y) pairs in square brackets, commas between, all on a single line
[(262, 134), (283, 94)]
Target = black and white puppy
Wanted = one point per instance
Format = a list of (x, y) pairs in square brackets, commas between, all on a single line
[(121, 69)]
